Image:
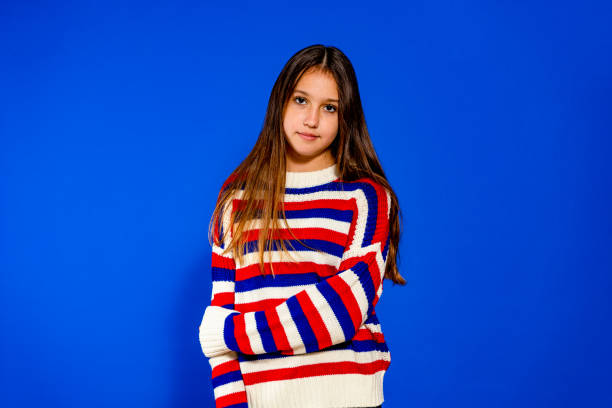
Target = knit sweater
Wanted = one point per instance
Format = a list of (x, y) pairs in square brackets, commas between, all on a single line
[(308, 337)]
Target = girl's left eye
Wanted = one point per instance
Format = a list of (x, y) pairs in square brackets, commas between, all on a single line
[(333, 108)]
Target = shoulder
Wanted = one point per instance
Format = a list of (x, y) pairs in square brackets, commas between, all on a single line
[(234, 186), (370, 222), (229, 182), (368, 192)]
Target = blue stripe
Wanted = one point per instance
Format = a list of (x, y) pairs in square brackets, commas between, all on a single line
[(293, 245), (278, 281), (372, 318), (226, 378), (264, 331), (362, 270), (222, 274), (332, 213), (220, 228), (331, 186), (239, 405), (338, 308), (306, 333), (325, 246), (372, 198), (369, 192), (368, 345), (228, 334)]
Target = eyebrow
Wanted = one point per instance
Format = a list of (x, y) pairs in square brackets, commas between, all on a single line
[(306, 93)]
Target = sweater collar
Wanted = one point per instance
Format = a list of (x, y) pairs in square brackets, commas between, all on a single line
[(303, 179)]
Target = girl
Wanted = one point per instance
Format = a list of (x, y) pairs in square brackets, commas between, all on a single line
[(304, 231)]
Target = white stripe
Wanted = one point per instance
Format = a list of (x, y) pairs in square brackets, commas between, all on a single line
[(222, 358), (329, 318), (252, 333), (373, 328), (352, 280), (379, 291), (229, 388), (252, 258), (315, 195), (266, 293), (382, 263), (222, 287), (314, 222), (316, 357), (362, 217), (319, 195), (218, 250), (293, 335), (344, 390)]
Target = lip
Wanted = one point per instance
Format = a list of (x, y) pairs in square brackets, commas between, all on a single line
[(307, 136)]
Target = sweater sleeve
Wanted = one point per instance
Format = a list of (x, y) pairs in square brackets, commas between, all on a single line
[(227, 382), (327, 313)]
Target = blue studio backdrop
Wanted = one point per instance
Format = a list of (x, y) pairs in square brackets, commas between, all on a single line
[(120, 120)]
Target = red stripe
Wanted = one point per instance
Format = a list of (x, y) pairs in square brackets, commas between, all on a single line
[(222, 299), (348, 298), (315, 320), (286, 268), (219, 261), (351, 232), (338, 204), (315, 370), (259, 305), (278, 332), (231, 399), (226, 367), (240, 333), (375, 272), (302, 234), (348, 263), (365, 334), (382, 223), (240, 204)]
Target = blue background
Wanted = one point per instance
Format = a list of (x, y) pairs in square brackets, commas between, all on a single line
[(119, 122)]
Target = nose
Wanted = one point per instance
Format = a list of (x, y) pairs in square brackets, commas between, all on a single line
[(312, 117)]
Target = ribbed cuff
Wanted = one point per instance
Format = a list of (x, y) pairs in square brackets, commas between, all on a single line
[(212, 330)]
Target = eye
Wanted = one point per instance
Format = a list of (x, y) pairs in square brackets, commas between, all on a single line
[(334, 109), (298, 98)]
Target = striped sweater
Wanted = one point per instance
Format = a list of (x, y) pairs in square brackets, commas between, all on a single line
[(308, 337)]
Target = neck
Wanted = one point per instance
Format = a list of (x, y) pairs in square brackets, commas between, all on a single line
[(304, 179), (297, 164)]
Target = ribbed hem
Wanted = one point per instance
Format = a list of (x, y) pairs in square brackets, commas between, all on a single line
[(330, 391), (303, 179), (212, 330)]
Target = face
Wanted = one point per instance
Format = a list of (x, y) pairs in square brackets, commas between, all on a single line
[(310, 122)]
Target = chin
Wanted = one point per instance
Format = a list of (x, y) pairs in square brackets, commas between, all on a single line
[(306, 155), (302, 152)]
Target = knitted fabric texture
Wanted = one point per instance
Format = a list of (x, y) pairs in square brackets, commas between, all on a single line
[(309, 336)]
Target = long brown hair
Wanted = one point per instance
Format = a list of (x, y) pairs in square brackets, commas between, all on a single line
[(260, 178)]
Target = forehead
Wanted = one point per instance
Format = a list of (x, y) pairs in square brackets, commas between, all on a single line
[(318, 84)]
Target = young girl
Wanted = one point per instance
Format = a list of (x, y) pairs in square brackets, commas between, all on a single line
[(304, 231)]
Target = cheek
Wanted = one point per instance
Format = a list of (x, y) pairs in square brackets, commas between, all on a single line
[(333, 128), (290, 119)]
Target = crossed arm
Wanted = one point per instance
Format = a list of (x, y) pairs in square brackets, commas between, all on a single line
[(320, 316)]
